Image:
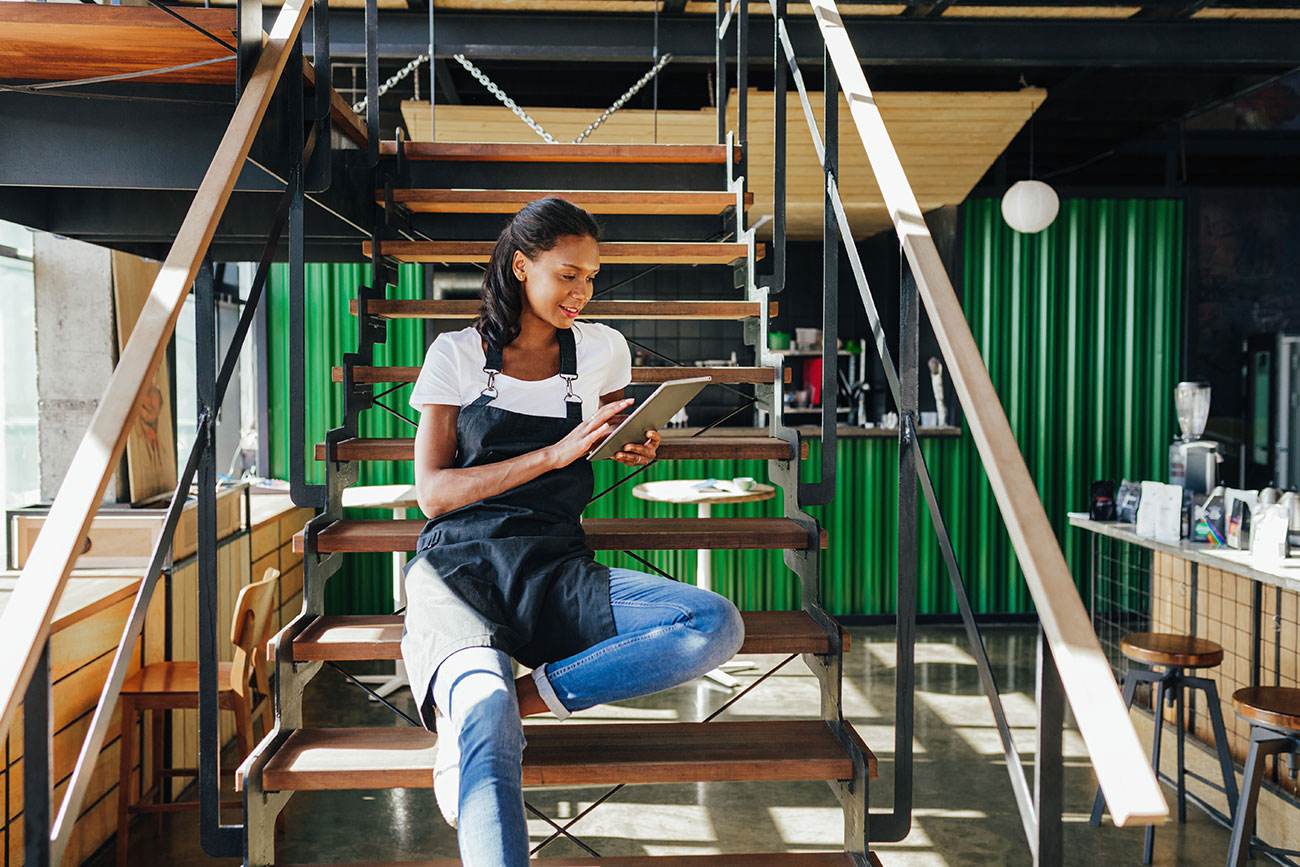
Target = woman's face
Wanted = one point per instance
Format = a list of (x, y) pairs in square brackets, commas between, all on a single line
[(559, 282)]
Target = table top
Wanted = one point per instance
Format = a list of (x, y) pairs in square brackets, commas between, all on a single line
[(1285, 574), (683, 491), (87, 591)]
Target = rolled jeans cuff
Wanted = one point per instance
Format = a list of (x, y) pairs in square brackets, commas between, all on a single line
[(547, 692)]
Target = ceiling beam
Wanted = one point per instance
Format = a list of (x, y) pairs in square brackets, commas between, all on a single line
[(1226, 43)]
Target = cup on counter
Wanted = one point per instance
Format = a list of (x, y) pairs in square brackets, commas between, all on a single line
[(743, 483)]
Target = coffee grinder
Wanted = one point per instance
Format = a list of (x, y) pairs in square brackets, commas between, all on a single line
[(1193, 462)]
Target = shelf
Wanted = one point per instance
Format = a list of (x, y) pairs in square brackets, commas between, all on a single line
[(816, 354)]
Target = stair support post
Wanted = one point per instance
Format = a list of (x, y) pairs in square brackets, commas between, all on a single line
[(38, 780), (1049, 769)]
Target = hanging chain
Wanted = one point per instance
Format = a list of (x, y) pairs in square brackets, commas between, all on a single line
[(396, 77), (509, 103), (645, 79)]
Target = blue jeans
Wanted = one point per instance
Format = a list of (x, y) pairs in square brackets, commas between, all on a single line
[(667, 633)]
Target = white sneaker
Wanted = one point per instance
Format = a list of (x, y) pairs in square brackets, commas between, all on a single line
[(446, 770)]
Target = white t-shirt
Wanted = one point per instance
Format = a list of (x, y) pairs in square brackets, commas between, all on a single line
[(453, 375)]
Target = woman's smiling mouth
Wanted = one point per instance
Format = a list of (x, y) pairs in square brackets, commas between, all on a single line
[(571, 312)]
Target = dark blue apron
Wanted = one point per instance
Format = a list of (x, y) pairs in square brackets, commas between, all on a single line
[(511, 571)]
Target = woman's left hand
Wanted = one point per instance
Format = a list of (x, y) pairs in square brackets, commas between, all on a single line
[(639, 454)]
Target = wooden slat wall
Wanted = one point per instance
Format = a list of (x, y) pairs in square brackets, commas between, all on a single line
[(80, 657), (81, 652), (946, 141)]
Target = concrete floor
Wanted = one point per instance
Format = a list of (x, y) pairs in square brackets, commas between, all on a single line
[(964, 816)]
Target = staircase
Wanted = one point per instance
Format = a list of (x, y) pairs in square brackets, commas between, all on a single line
[(641, 206)]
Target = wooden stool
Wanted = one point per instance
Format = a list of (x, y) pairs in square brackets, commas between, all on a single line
[(165, 686), (1175, 653), (1274, 714)]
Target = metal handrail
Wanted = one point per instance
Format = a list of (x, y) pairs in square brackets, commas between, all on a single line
[(1122, 768), (28, 616)]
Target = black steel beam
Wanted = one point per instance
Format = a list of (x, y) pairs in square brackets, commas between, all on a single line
[(879, 42)]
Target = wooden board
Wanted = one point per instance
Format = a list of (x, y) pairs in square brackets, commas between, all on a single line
[(611, 252), (378, 636), (151, 442), (669, 202), (468, 309), (671, 448), (603, 534), (640, 375), (39, 42), (766, 859), (453, 151), (387, 758)]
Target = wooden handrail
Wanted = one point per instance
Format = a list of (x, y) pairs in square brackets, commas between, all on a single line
[(1124, 771), (25, 622)]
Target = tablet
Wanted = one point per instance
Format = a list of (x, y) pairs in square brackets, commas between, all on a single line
[(653, 413)]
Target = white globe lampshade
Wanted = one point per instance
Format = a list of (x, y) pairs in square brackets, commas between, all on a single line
[(1030, 206)]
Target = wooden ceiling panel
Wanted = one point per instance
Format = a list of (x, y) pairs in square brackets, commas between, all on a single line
[(70, 41), (947, 141), (963, 11)]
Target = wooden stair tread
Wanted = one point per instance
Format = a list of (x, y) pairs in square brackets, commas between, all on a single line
[(611, 252), (468, 308), (540, 153), (670, 202), (671, 448), (603, 534), (378, 636), (572, 755), (744, 859), (640, 375)]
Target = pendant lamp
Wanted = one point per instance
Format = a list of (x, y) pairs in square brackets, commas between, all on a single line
[(1030, 206)]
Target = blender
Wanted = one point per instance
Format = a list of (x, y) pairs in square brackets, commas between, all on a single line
[(1193, 462)]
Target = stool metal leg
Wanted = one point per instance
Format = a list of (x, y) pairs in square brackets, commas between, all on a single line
[(1215, 711), (1182, 772), (1149, 843), (1131, 681), (1263, 743)]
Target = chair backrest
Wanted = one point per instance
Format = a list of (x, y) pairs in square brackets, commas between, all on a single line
[(251, 628)]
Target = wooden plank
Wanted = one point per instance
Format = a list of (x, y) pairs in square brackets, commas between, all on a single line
[(378, 636), (670, 202), (64, 42), (611, 252), (26, 619), (766, 859), (603, 534), (468, 309), (1126, 779), (671, 448), (391, 757), (640, 375), (265, 541), (151, 442), (90, 591), (452, 151)]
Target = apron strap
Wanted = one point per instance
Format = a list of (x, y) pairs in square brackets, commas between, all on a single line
[(569, 372)]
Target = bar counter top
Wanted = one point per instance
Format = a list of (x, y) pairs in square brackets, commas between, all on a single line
[(1285, 575)]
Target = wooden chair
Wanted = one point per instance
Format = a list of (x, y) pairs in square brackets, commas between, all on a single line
[(165, 686)]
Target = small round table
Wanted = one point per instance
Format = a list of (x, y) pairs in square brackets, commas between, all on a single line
[(704, 495)]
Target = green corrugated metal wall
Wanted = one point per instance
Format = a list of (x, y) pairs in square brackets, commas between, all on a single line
[(1078, 325)]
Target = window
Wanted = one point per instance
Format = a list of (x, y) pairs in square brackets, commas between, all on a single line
[(19, 464)]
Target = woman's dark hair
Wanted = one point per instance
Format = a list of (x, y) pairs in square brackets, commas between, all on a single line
[(537, 227)]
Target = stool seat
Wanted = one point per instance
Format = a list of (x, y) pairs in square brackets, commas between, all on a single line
[(1167, 648), (1277, 706)]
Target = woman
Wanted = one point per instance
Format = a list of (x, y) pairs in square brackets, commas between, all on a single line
[(510, 407)]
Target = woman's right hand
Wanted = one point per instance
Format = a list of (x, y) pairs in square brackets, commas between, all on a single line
[(583, 438)]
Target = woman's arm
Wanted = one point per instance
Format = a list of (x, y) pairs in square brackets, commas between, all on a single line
[(634, 454), (440, 487)]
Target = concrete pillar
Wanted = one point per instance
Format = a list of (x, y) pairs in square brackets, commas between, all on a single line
[(76, 348)]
